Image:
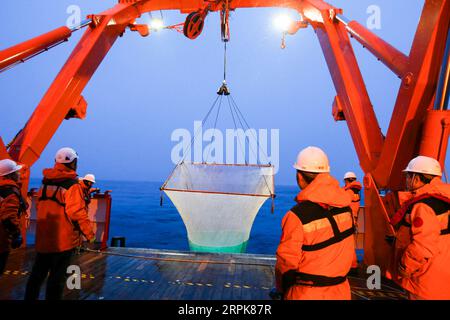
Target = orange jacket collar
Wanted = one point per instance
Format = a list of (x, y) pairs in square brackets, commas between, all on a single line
[(325, 189), (59, 172), (8, 182), (353, 185), (436, 188)]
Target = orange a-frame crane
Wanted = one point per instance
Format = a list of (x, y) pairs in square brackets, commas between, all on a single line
[(419, 123)]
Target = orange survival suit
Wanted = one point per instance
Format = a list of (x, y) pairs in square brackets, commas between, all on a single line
[(354, 189), (61, 211), (12, 206), (422, 246), (86, 193), (316, 247)]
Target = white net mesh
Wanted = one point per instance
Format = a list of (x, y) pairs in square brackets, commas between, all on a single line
[(218, 203)]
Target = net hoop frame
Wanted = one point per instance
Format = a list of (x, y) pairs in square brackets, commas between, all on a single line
[(272, 193)]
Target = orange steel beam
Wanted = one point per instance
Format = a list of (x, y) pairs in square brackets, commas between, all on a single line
[(348, 81), (3, 151), (28, 48), (65, 91), (415, 96), (390, 56), (435, 132)]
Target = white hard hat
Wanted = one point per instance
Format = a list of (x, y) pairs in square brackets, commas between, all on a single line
[(312, 159), (349, 175), (66, 155), (8, 166), (89, 177), (425, 165)]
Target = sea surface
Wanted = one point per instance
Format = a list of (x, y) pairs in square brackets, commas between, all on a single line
[(137, 215)]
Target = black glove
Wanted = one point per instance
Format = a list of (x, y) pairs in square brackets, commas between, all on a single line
[(16, 241), (10, 227), (275, 294), (390, 240), (288, 279)]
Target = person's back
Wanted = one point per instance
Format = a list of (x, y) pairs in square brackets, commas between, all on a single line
[(61, 216), (316, 247), (60, 198)]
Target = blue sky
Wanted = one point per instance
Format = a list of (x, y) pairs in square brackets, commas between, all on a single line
[(148, 87)]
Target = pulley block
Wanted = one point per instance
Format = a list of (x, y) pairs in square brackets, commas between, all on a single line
[(193, 25)]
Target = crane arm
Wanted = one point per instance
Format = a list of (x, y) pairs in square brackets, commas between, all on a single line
[(30, 48), (65, 92), (352, 94), (415, 97), (386, 53)]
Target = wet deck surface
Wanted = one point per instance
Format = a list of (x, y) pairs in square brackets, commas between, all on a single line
[(135, 274)]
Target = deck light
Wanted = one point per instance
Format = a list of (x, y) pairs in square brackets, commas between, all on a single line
[(156, 24), (283, 22)]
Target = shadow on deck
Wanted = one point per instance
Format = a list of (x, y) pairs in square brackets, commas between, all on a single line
[(136, 274)]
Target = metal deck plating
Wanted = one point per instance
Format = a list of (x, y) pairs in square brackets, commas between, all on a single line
[(140, 274)]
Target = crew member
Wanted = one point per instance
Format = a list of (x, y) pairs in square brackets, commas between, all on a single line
[(61, 216), (12, 205), (423, 239), (353, 187), (86, 183), (316, 247)]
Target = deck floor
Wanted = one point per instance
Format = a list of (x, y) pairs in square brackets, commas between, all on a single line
[(136, 274)]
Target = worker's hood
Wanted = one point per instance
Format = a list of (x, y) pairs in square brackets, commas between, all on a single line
[(83, 184), (59, 172), (8, 183), (435, 187), (325, 189), (353, 185)]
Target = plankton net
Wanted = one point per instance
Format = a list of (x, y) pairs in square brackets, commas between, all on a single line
[(218, 202)]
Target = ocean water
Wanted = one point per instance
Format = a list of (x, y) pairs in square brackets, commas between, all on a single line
[(137, 215)]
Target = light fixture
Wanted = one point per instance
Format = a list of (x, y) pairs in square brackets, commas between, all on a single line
[(156, 24), (283, 22)]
